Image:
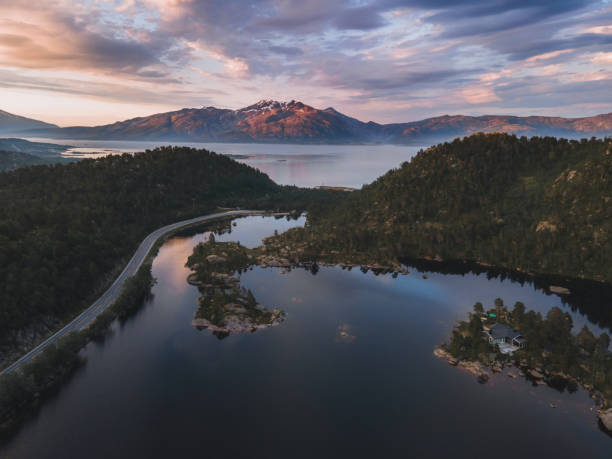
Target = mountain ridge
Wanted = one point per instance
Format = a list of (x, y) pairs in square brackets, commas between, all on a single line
[(270, 121), (14, 124)]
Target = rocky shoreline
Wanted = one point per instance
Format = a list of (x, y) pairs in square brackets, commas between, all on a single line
[(237, 326), (225, 307), (539, 376), (283, 260), (213, 273)]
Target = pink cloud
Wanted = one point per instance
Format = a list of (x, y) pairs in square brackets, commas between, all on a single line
[(479, 95)]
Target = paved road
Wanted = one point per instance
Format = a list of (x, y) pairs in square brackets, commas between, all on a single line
[(86, 317)]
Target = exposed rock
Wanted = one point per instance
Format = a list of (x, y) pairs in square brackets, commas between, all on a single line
[(234, 324), (546, 226), (442, 354), (535, 374), (559, 290), (475, 368), (343, 334), (212, 258), (606, 419), (235, 308)]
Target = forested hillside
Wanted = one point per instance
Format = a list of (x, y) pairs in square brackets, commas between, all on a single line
[(540, 205), (11, 160), (64, 229)]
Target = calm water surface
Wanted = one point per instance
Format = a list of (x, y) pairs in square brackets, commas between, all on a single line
[(160, 388), (301, 165)]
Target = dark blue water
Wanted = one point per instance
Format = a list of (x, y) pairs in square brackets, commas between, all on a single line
[(160, 388)]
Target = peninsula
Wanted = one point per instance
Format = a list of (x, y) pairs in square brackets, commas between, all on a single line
[(225, 307), (544, 350)]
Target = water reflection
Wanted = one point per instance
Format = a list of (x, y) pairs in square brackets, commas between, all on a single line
[(591, 300), (159, 388), (301, 165)]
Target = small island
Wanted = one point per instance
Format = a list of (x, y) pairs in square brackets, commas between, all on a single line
[(225, 307), (543, 350)]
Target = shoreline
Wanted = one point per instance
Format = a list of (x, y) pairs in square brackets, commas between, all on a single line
[(538, 376)]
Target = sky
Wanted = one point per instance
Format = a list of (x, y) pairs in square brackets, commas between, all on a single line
[(90, 62)]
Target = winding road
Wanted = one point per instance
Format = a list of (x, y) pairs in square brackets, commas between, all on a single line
[(84, 319)]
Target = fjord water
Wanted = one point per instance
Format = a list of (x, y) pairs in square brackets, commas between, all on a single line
[(301, 165), (158, 387)]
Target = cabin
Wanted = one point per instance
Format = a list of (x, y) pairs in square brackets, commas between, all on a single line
[(508, 339)]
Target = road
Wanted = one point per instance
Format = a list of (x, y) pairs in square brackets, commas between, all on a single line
[(110, 296)]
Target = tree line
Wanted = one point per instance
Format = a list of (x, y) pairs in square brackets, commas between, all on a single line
[(66, 230), (535, 205), (551, 345)]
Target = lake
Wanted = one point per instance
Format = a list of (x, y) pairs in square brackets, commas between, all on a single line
[(301, 165), (158, 387)]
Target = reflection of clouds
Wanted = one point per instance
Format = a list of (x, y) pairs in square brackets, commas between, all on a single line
[(250, 231), (385, 279), (169, 264)]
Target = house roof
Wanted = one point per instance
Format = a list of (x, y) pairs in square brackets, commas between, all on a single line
[(499, 331)]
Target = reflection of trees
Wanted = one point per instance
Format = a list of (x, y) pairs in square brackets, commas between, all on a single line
[(590, 298), (219, 227)]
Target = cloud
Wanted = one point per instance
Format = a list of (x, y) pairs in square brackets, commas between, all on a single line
[(286, 50), (547, 56), (602, 59), (388, 60), (479, 95), (116, 91)]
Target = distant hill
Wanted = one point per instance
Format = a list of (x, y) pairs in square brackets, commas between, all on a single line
[(443, 128), (539, 205), (295, 122), (32, 148), (16, 153), (13, 124), (266, 121)]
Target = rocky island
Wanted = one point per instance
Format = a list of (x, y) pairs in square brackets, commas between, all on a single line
[(545, 351), (225, 307)]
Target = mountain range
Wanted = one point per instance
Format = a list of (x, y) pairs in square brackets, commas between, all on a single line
[(11, 124), (296, 122)]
